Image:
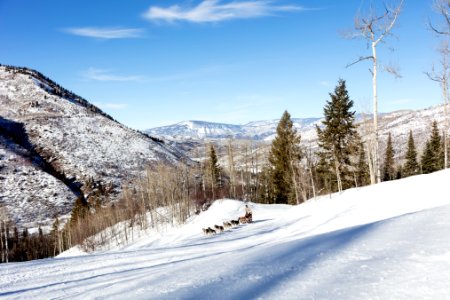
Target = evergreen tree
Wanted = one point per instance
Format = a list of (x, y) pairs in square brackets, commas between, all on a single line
[(362, 168), (411, 166), (284, 157), (432, 158), (338, 139), (213, 170), (389, 168), (265, 192)]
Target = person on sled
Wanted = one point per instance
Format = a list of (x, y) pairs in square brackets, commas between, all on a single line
[(248, 213)]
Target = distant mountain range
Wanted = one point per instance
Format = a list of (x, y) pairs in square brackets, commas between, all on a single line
[(398, 123), (258, 130), (55, 146)]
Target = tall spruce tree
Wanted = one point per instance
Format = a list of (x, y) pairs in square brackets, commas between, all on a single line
[(362, 167), (432, 158), (338, 139), (411, 166), (213, 170), (284, 157), (389, 164)]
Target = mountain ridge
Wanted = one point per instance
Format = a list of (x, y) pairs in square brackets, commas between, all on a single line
[(398, 123), (56, 146)]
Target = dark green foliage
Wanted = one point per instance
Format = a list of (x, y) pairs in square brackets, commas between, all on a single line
[(399, 173), (265, 192), (284, 155), (389, 172), (338, 139), (411, 166), (432, 158), (213, 167), (362, 168)]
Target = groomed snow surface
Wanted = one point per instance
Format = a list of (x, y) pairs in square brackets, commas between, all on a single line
[(389, 241)]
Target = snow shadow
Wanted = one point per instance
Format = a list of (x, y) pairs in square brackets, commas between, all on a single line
[(15, 133), (292, 260)]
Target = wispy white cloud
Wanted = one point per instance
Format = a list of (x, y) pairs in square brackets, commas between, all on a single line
[(218, 10), (106, 33), (106, 75), (110, 105)]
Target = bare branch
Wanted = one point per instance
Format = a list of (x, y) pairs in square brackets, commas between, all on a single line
[(442, 7), (390, 15), (359, 60), (432, 76), (394, 71)]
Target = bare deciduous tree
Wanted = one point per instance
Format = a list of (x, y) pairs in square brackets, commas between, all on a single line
[(441, 76), (232, 169), (442, 7), (374, 28), (4, 219)]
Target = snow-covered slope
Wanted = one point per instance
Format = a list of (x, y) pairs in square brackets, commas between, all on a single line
[(67, 138), (388, 241)]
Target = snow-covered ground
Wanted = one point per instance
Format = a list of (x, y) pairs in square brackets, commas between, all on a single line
[(389, 241)]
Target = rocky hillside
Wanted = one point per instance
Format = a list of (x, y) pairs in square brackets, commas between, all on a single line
[(55, 146)]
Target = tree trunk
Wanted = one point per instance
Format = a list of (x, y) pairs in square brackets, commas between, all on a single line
[(231, 170), (338, 175), (376, 155), (313, 185), (446, 103), (6, 242), (294, 180)]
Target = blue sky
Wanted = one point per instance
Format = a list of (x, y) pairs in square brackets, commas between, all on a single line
[(153, 63)]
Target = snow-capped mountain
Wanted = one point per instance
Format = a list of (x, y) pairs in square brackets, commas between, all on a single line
[(53, 142), (398, 123), (258, 130)]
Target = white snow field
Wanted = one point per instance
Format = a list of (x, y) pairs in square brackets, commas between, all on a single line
[(389, 241)]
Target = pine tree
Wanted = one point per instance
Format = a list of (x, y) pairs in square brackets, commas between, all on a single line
[(411, 166), (432, 158), (389, 168), (362, 168), (284, 157), (213, 170), (338, 139)]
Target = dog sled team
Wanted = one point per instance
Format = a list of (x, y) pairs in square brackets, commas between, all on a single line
[(247, 218)]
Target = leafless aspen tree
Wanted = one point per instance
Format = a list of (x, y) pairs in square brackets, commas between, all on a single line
[(374, 29), (441, 76), (4, 235), (442, 7), (232, 169)]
